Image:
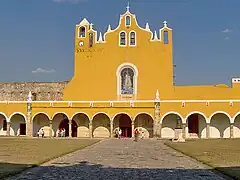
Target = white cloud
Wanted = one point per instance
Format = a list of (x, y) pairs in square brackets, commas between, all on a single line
[(40, 70), (69, 1), (227, 30), (226, 38)]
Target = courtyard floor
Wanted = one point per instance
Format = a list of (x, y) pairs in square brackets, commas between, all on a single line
[(123, 159)]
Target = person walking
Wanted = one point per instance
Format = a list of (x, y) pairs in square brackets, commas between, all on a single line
[(119, 133), (136, 134)]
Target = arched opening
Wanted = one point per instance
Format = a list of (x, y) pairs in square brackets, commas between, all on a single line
[(144, 123), (170, 122), (165, 37), (101, 125), (236, 127), (220, 126), (124, 122), (196, 126), (3, 125), (132, 38), (82, 32), (40, 121), (91, 39), (128, 21), (83, 124), (64, 124), (122, 39), (127, 81), (18, 125), (61, 121)]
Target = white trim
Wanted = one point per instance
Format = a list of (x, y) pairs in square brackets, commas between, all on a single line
[(19, 113), (107, 101), (119, 39), (3, 114), (101, 113), (197, 112), (81, 113), (220, 112), (79, 32), (119, 113), (135, 77), (41, 113), (235, 116), (60, 113), (171, 112), (129, 20), (129, 38), (140, 113)]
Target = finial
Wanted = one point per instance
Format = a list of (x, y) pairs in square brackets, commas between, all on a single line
[(91, 26), (100, 38), (128, 6), (155, 36), (29, 99), (109, 28), (165, 23), (147, 27), (157, 96)]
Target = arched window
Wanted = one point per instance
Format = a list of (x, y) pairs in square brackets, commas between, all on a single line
[(165, 37), (127, 81), (82, 32), (128, 21), (122, 39), (90, 39), (132, 38)]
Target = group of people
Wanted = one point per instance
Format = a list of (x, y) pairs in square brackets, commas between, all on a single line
[(137, 134), (40, 133), (61, 132)]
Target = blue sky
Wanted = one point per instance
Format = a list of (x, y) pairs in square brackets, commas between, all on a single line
[(40, 34)]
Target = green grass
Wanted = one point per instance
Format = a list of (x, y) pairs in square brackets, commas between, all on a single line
[(17, 154), (221, 154)]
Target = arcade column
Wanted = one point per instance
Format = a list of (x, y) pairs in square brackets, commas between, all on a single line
[(29, 125), (156, 127)]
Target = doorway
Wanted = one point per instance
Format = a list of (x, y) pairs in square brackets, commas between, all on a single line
[(193, 124), (22, 129), (125, 124)]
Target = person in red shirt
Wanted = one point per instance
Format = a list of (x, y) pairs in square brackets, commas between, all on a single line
[(136, 134)]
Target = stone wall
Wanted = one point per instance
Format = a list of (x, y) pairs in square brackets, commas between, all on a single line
[(40, 90)]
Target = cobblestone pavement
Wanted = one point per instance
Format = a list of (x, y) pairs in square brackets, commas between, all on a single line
[(122, 159)]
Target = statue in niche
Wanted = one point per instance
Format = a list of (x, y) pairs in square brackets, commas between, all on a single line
[(127, 81)]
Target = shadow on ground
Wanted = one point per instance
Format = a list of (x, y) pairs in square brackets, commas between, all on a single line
[(85, 170)]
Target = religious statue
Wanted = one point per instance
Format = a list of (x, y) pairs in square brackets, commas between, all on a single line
[(127, 84)]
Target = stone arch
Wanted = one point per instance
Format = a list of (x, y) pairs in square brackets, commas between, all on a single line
[(122, 121), (236, 125), (60, 120), (41, 120), (196, 125), (220, 125), (18, 124), (82, 121), (170, 121), (101, 125), (144, 122), (3, 124)]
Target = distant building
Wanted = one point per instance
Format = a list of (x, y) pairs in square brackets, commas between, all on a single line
[(124, 79)]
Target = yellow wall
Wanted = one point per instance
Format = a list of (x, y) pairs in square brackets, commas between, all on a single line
[(95, 68)]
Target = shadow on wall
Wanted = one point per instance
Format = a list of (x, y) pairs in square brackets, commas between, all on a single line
[(85, 170)]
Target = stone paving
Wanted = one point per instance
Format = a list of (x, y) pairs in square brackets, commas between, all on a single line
[(122, 159)]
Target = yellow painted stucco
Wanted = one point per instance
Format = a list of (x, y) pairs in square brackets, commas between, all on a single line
[(94, 88)]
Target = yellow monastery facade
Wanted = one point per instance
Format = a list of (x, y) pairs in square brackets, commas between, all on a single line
[(124, 79)]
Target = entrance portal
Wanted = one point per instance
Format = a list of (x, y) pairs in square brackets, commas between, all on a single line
[(125, 124), (193, 124), (65, 124), (22, 129)]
